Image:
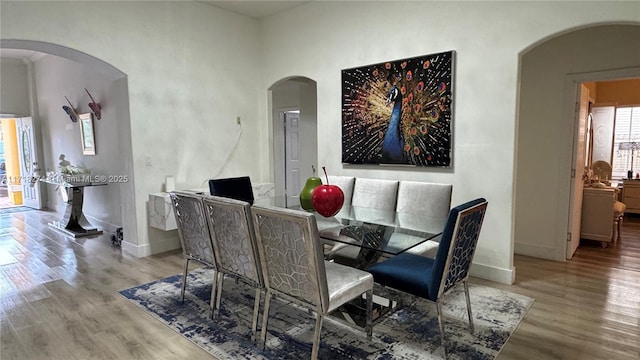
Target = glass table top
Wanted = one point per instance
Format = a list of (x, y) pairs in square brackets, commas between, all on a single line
[(384, 231)]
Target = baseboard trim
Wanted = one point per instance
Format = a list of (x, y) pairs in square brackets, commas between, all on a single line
[(104, 226), (500, 275), (135, 250), (542, 252), (159, 246)]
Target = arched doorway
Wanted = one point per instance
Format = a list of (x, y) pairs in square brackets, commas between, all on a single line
[(295, 140), (67, 73), (550, 73)]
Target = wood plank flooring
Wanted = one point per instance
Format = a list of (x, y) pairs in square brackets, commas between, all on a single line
[(59, 299)]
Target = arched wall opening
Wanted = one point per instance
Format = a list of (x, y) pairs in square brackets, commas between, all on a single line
[(66, 73), (289, 95), (550, 72)]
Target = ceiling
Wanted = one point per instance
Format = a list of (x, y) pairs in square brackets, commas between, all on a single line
[(255, 9)]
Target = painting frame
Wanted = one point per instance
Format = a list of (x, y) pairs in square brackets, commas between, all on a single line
[(87, 134), (399, 112)]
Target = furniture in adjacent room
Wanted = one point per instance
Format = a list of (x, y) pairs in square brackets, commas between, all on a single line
[(602, 171), (195, 237), (602, 215), (289, 245), (235, 247), (432, 278), (73, 221), (631, 195)]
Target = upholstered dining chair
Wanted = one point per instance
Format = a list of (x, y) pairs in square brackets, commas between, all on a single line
[(194, 235), (416, 200), (294, 268), (238, 188), (432, 278), (375, 193), (345, 183), (372, 198), (428, 199), (235, 245)]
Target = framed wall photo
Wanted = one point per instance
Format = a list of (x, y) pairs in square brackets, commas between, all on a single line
[(86, 134), (399, 112)]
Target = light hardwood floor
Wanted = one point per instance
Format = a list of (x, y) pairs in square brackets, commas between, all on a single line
[(59, 299)]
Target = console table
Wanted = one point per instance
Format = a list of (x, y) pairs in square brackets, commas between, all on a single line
[(73, 221)]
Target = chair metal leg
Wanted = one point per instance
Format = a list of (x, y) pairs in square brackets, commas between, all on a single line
[(219, 294), (212, 306), (441, 326), (184, 278), (256, 310), (466, 293), (265, 318), (316, 337), (369, 325)]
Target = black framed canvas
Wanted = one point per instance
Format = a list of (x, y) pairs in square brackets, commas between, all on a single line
[(399, 112)]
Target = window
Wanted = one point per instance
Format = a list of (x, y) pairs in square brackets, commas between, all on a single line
[(626, 142)]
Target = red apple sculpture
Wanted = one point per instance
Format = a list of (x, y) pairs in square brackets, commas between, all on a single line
[(327, 199)]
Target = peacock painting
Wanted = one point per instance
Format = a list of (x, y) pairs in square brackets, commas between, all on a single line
[(398, 112)]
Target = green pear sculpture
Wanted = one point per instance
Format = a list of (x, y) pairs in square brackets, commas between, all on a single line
[(305, 194)]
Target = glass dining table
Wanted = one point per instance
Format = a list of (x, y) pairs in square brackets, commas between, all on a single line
[(360, 236), (375, 233)]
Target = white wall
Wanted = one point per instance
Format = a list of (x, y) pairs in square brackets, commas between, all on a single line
[(309, 130), (487, 38), (191, 70), (14, 93), (56, 78), (545, 133)]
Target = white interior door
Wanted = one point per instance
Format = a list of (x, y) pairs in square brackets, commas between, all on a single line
[(292, 158), (575, 209), (29, 169)]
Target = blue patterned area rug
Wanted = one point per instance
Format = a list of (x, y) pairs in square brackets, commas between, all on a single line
[(409, 333)]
